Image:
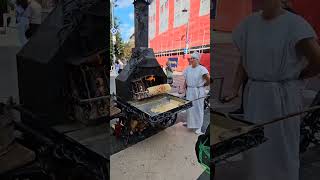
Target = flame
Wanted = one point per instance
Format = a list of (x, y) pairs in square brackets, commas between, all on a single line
[(151, 78)]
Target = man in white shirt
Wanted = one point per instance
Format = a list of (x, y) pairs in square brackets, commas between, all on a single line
[(35, 20)]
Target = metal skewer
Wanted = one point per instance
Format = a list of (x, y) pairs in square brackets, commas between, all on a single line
[(243, 130)]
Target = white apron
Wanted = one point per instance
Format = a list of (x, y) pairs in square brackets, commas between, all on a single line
[(273, 67), (195, 90)]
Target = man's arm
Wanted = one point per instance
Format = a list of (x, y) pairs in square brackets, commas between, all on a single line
[(181, 91), (206, 77), (311, 50), (240, 77)]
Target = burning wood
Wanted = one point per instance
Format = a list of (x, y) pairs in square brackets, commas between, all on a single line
[(151, 78)]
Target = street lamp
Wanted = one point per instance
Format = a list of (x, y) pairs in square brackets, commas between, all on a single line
[(185, 10), (113, 35)]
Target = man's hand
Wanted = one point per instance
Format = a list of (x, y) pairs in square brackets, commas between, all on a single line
[(311, 50), (206, 77)]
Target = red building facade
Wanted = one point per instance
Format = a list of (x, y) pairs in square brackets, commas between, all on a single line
[(175, 25), (229, 13)]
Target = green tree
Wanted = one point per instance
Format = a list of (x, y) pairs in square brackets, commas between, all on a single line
[(128, 50), (119, 47)]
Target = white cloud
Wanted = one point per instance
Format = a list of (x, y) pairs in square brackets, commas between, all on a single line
[(126, 30), (124, 25), (130, 32), (131, 16), (124, 3)]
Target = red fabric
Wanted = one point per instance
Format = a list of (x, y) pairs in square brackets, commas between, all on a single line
[(230, 13), (310, 10), (175, 38), (205, 60), (183, 61)]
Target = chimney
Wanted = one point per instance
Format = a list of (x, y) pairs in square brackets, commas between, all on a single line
[(141, 11)]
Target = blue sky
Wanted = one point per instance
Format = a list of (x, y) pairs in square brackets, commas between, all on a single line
[(124, 12)]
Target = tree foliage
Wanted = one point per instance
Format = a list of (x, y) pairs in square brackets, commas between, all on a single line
[(128, 50), (119, 45)]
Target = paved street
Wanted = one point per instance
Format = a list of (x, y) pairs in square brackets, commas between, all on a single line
[(224, 63), (173, 147)]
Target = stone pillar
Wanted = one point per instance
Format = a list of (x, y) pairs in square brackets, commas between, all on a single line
[(141, 11)]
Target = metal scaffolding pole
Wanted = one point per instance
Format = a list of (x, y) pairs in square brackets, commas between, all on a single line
[(113, 35)]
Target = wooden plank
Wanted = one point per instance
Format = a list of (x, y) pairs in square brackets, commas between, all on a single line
[(95, 138), (221, 125), (16, 157), (114, 111)]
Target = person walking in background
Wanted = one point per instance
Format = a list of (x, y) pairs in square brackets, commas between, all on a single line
[(3, 10), (117, 67), (35, 17), (169, 73), (121, 66), (274, 65), (23, 15), (196, 79)]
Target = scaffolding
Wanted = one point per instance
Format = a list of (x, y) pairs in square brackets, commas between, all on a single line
[(204, 48)]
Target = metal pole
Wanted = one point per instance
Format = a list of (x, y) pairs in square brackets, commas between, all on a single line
[(113, 36), (187, 40), (185, 10)]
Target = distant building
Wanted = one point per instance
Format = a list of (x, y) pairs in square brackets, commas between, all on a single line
[(169, 35)]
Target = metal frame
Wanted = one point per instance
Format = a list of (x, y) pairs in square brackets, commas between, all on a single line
[(226, 149), (49, 143), (153, 120), (220, 88), (203, 48)]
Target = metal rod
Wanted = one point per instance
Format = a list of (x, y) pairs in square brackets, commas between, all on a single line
[(113, 36), (94, 99), (243, 130), (286, 117)]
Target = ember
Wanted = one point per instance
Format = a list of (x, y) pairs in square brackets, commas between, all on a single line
[(151, 78)]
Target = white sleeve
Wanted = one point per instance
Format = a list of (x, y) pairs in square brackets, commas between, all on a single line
[(239, 36), (185, 73), (204, 71), (302, 30), (28, 12)]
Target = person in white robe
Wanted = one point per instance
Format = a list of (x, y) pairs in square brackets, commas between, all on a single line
[(278, 50), (23, 14), (196, 79)]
